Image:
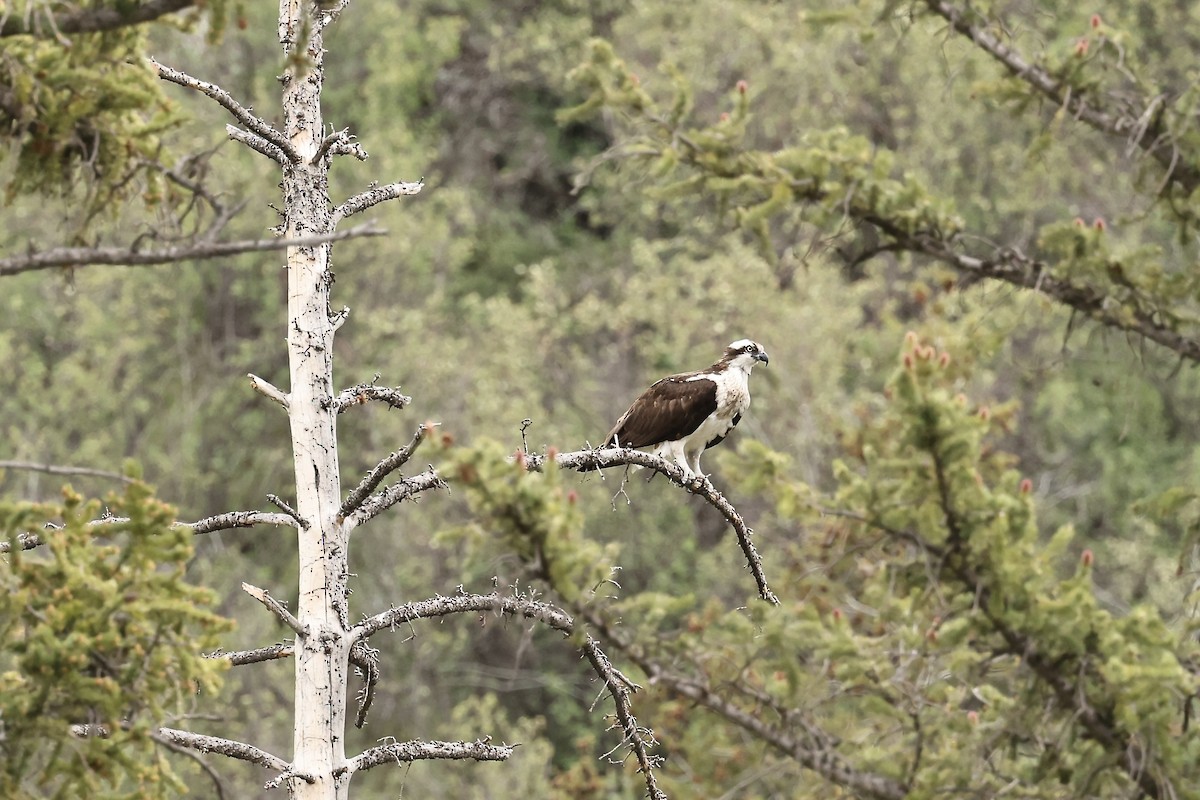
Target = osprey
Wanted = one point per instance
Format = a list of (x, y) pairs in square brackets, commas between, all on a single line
[(682, 415)]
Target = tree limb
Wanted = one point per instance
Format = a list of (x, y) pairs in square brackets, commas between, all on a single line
[(59, 469), (132, 257), (226, 747), (372, 197), (1088, 107), (254, 123), (239, 658), (219, 522), (88, 20), (587, 460), (400, 752), (362, 393), (384, 468), (277, 608), (269, 390)]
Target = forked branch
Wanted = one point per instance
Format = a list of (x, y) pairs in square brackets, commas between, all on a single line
[(384, 468), (403, 489), (253, 123)]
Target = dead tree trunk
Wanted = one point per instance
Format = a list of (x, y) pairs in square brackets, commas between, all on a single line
[(322, 653)]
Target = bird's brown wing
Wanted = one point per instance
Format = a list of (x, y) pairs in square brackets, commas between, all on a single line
[(669, 410)]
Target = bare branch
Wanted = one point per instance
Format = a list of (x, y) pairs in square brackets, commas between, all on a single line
[(362, 393), (226, 747), (258, 143), (587, 460), (132, 257), (239, 658), (237, 519), (637, 739), (545, 613), (269, 390), (255, 124), (384, 468), (373, 197), (59, 469), (90, 19), (219, 522), (279, 503), (400, 752), (404, 489), (201, 761), (276, 607)]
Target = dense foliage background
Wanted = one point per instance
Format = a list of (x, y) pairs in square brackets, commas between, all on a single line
[(597, 215)]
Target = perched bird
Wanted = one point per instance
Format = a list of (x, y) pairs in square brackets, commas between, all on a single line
[(682, 415)]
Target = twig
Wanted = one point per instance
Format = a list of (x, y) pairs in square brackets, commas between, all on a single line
[(258, 144), (276, 607), (384, 468), (279, 503), (131, 257), (587, 460), (255, 124), (367, 660), (269, 390), (340, 143), (372, 197), (60, 469)]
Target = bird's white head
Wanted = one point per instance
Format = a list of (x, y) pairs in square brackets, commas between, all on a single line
[(744, 354)]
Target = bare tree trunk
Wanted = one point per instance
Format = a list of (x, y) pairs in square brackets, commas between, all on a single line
[(321, 655)]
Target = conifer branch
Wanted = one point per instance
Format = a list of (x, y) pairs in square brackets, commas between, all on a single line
[(1109, 115), (384, 468), (88, 20), (283, 506), (373, 196), (588, 460), (277, 608), (253, 123)]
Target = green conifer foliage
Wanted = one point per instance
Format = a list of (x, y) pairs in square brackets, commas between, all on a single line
[(98, 628)]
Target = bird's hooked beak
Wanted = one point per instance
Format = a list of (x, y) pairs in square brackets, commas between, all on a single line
[(761, 356)]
